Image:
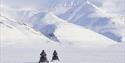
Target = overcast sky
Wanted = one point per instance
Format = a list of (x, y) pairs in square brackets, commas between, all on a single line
[(112, 6)]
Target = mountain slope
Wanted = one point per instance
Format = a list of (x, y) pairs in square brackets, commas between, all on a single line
[(90, 16), (62, 31), (81, 12), (59, 30), (76, 44), (25, 44), (14, 34)]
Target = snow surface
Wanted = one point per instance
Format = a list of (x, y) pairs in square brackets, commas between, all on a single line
[(97, 19), (81, 12), (21, 43)]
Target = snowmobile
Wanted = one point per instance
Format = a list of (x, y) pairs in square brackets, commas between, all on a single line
[(55, 56), (43, 58)]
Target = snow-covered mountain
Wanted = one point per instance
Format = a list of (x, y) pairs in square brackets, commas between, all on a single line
[(76, 44), (50, 25), (90, 16), (81, 12), (77, 29), (57, 30)]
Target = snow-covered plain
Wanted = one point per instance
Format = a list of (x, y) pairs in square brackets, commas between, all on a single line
[(21, 43), (66, 55)]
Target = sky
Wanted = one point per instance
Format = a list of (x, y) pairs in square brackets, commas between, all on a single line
[(111, 6)]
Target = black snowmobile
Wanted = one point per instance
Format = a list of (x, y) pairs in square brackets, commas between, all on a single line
[(55, 56), (43, 58)]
